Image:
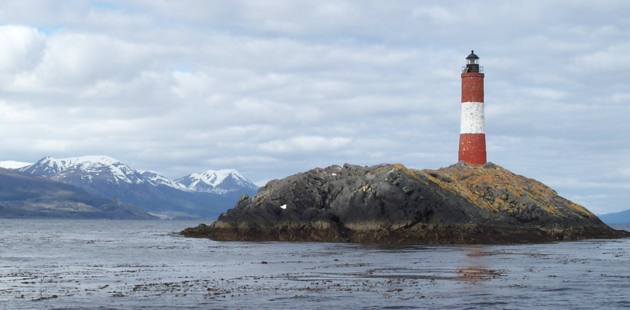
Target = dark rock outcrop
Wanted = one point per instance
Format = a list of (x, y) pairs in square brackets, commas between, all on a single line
[(460, 204)]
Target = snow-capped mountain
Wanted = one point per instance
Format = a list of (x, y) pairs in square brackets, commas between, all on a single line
[(88, 168), (217, 181), (157, 180), (206, 194), (85, 167), (12, 164), (32, 196)]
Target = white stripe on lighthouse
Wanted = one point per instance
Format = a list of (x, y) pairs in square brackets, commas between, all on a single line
[(472, 117)]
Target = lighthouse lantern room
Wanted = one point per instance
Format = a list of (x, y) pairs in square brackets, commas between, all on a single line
[(472, 62)]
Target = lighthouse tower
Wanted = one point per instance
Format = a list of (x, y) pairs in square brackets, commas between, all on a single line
[(472, 138)]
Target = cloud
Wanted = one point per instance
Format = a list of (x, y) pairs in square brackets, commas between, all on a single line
[(73, 61), (305, 144), (437, 14), (21, 48)]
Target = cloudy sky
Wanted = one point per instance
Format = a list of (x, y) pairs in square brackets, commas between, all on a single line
[(272, 88)]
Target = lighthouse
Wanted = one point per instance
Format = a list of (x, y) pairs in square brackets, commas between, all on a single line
[(472, 138)]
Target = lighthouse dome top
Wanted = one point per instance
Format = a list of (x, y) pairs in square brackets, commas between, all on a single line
[(472, 62), (472, 55)]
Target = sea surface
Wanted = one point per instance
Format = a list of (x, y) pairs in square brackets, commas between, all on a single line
[(73, 264)]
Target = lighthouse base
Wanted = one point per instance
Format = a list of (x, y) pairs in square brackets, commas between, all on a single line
[(472, 148)]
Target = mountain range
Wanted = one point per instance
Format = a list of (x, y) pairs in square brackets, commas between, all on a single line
[(198, 195), (29, 196)]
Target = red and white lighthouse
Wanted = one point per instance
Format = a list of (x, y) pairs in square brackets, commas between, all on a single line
[(472, 138)]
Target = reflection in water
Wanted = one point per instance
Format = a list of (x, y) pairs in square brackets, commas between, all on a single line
[(474, 269)]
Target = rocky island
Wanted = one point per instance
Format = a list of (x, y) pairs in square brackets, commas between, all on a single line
[(392, 204)]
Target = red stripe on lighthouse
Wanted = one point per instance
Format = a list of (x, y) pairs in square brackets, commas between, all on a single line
[(472, 87), (472, 148)]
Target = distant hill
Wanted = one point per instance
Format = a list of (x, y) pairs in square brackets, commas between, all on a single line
[(204, 195), (28, 196), (622, 217)]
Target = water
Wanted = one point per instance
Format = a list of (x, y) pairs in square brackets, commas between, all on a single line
[(63, 264)]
